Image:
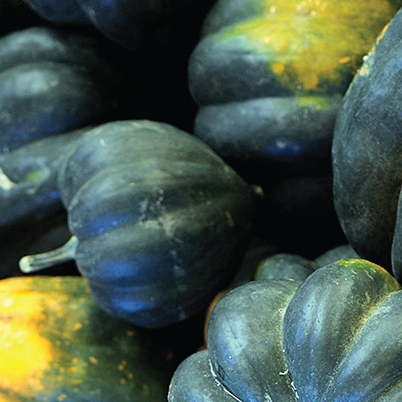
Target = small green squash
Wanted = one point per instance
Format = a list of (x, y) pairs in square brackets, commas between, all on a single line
[(269, 76), (160, 222), (326, 338), (366, 154), (57, 345)]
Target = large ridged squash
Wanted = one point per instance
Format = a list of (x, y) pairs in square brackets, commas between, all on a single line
[(53, 81), (367, 152), (282, 340), (159, 221), (269, 76)]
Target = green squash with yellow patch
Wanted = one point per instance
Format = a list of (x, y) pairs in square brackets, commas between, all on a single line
[(269, 76), (57, 345)]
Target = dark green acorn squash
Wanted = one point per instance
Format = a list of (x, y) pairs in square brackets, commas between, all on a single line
[(52, 82), (326, 338), (366, 152), (269, 76), (57, 345), (298, 267), (280, 266), (159, 221), (32, 218), (285, 266)]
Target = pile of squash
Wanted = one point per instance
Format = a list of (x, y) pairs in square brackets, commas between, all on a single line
[(200, 201)]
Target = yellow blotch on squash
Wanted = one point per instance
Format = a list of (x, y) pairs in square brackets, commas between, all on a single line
[(310, 43), (25, 354)]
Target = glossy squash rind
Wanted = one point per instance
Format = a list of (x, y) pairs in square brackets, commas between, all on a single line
[(40, 43), (57, 345), (366, 153), (45, 98), (161, 221), (328, 351), (203, 386), (52, 81), (258, 129)]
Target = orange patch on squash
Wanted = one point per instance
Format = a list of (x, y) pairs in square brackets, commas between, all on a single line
[(310, 43), (25, 354)]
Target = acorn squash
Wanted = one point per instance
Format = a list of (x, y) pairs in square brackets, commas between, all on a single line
[(159, 221), (285, 340), (297, 267), (57, 345), (52, 82), (269, 76), (366, 154)]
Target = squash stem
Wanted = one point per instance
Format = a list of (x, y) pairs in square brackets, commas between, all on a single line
[(37, 262)]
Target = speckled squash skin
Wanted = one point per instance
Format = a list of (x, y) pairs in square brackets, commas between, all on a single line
[(57, 345), (269, 76), (161, 221), (366, 154), (286, 340)]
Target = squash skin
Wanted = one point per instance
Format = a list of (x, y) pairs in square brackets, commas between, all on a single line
[(28, 179), (285, 266), (302, 86), (52, 82), (171, 228), (39, 109), (366, 154), (197, 367), (39, 43), (326, 349), (72, 350)]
